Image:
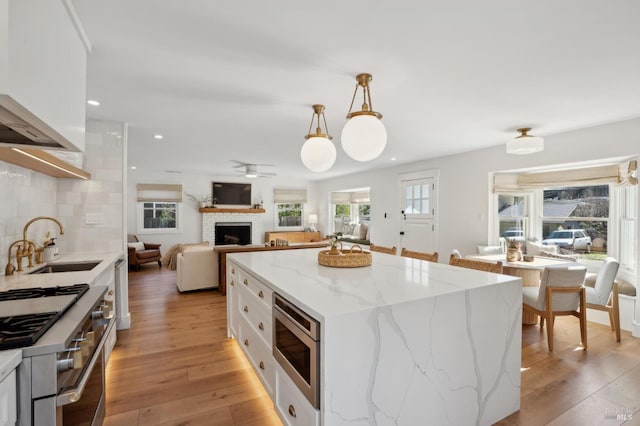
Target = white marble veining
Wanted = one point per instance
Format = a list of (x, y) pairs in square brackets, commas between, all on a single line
[(406, 342)]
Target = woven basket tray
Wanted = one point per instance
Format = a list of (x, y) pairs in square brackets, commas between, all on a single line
[(353, 258)]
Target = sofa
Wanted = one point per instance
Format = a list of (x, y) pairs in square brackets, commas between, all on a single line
[(197, 268)]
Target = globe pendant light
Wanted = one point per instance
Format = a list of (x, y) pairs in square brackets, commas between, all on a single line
[(318, 153), (364, 137), (525, 143)]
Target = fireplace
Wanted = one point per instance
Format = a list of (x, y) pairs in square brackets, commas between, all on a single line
[(232, 233)]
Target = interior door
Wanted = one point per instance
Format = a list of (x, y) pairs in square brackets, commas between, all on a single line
[(418, 212)]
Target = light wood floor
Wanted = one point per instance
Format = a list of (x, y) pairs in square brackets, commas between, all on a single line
[(175, 366)]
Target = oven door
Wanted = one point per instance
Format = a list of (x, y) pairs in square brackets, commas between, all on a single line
[(83, 402), (298, 355)]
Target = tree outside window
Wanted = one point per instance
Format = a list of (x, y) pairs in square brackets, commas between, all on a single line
[(289, 215)]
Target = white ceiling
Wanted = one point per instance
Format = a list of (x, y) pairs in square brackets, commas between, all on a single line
[(235, 80)]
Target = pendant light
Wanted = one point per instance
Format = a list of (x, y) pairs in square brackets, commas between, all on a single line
[(364, 136), (525, 143), (318, 153)]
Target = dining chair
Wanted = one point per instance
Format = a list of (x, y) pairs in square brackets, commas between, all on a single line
[(603, 296), (383, 249), (476, 264), (560, 293), (456, 253), (431, 257)]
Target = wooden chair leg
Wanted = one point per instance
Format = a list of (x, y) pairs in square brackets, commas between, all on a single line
[(160, 263), (550, 322), (583, 319), (615, 307)]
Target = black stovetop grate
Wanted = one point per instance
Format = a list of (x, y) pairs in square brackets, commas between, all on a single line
[(24, 330), (31, 293)]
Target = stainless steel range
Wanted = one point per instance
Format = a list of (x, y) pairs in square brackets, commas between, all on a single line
[(62, 331)]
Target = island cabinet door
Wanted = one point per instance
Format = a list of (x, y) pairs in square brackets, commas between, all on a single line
[(291, 405), (259, 355), (233, 302)]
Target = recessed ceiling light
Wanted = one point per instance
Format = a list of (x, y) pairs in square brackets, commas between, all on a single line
[(133, 167), (158, 136), (393, 158), (93, 102)]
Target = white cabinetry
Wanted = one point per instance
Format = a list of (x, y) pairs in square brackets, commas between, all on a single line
[(9, 360), (43, 63), (250, 323)]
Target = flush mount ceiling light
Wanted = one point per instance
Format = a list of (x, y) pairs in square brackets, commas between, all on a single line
[(364, 136), (251, 171), (318, 152), (525, 143)]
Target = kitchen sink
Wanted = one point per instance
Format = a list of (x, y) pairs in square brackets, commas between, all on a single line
[(67, 267)]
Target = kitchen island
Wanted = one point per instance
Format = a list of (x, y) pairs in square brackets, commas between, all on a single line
[(402, 341)]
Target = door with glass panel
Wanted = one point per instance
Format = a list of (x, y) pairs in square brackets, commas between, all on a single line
[(418, 211)]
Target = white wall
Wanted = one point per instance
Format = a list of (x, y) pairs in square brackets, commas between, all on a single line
[(196, 184), (463, 183)]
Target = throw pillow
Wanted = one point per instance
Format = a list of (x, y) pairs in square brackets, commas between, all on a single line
[(139, 246), (356, 230), (364, 231)]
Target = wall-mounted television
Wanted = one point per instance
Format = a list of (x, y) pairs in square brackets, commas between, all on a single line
[(231, 194)]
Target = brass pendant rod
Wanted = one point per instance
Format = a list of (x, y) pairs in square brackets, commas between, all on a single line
[(311, 124), (353, 100), (326, 129)]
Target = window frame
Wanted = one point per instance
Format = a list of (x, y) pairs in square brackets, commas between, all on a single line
[(140, 219), (276, 217)]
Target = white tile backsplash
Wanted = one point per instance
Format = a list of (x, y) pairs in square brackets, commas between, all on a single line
[(25, 194)]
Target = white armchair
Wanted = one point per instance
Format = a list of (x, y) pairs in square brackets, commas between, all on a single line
[(603, 296), (197, 268)]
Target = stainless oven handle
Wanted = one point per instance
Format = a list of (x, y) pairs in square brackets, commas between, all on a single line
[(76, 393)]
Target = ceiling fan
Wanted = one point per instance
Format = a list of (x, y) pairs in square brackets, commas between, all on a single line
[(250, 170)]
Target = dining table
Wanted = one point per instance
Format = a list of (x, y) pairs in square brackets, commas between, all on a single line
[(529, 271)]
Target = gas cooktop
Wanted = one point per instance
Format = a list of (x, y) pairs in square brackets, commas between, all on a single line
[(28, 313)]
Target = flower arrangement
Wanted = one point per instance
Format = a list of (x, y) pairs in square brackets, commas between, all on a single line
[(512, 243), (203, 200)]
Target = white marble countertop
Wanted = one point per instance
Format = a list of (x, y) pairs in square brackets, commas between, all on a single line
[(325, 292), (9, 360), (24, 280)]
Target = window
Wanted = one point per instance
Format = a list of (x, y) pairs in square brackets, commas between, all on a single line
[(513, 212), (416, 198), (289, 208), (289, 215), (576, 219), (349, 208), (627, 227), (158, 208)]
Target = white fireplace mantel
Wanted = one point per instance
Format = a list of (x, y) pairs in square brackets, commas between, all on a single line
[(210, 218)]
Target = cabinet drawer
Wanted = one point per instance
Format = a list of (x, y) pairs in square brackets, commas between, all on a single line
[(257, 316), (292, 406), (259, 356), (261, 291)]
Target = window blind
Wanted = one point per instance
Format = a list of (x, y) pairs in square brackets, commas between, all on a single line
[(624, 173), (159, 192), (289, 195), (357, 197)]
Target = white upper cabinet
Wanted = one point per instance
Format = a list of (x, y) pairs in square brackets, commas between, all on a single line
[(43, 65)]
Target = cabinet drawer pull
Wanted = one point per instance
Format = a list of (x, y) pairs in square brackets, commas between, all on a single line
[(261, 365), (233, 271), (246, 342), (110, 292), (292, 411), (246, 308), (232, 282), (261, 294), (261, 326), (245, 282)]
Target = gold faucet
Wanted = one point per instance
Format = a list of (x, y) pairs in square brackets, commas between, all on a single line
[(25, 249), (24, 231)]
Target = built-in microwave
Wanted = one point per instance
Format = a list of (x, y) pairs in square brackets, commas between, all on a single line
[(296, 347)]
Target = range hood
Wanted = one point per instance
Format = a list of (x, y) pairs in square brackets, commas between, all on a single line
[(25, 129)]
